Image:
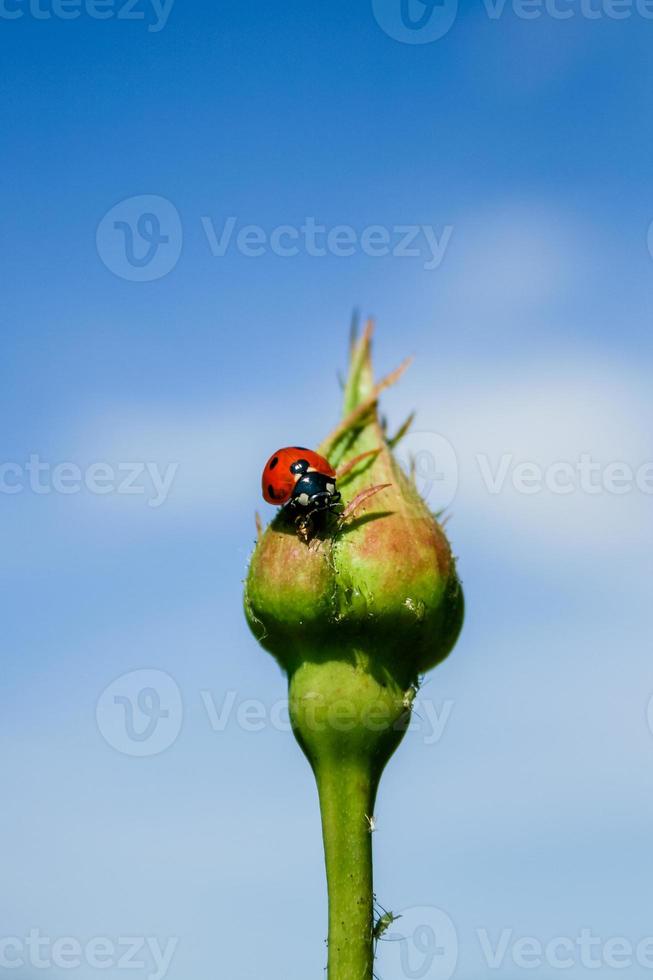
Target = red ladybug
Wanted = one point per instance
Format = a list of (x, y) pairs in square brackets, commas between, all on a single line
[(299, 478)]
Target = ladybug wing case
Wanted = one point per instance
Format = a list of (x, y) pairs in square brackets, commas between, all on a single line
[(277, 481)]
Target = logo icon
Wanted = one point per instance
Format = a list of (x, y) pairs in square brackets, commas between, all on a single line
[(140, 238), (140, 713), (415, 21), (421, 944), (649, 239), (431, 460), (649, 714)]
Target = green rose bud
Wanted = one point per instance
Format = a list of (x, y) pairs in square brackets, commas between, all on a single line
[(354, 614)]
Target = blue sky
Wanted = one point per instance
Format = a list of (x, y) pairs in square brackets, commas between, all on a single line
[(523, 146)]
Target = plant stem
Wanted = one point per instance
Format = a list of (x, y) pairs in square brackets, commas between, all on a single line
[(347, 790), (348, 719)]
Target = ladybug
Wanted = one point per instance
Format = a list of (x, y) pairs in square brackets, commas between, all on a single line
[(301, 480)]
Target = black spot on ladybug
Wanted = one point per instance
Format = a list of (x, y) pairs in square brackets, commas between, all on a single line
[(273, 462), (302, 449), (271, 490)]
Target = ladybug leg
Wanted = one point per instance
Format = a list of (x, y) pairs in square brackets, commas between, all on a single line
[(334, 503), (299, 517), (307, 517), (304, 526)]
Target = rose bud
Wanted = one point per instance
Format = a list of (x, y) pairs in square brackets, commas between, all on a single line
[(355, 607)]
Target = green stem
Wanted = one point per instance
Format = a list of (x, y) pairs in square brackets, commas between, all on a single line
[(346, 800), (348, 716)]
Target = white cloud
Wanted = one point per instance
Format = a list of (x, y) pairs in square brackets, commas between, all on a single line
[(512, 258), (218, 456), (500, 418), (545, 415)]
